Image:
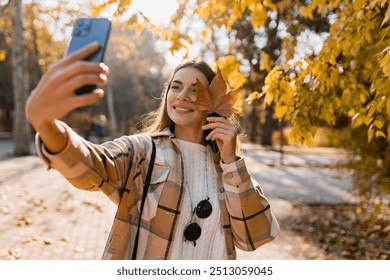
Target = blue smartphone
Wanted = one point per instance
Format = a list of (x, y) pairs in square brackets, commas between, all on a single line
[(85, 31)]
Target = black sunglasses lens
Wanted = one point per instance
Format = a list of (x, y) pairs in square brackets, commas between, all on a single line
[(204, 209), (192, 232)]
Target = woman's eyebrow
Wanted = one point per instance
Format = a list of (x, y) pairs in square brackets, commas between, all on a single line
[(181, 83)]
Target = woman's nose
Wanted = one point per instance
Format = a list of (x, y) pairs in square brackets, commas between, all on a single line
[(185, 95)]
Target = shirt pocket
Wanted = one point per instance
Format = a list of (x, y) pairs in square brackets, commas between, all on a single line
[(157, 181)]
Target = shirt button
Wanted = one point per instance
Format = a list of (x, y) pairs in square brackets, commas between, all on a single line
[(229, 175), (222, 189)]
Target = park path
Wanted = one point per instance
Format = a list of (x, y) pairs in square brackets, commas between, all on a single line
[(43, 217)]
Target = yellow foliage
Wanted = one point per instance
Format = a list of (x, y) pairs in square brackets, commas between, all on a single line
[(3, 55), (388, 132), (269, 4), (258, 16), (247, 4), (357, 120), (266, 62), (385, 61), (281, 111), (388, 106), (96, 9), (253, 96), (229, 67), (307, 12)]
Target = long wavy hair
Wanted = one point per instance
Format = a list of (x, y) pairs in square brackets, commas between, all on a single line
[(158, 120)]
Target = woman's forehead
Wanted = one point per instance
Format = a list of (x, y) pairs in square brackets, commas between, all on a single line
[(188, 76)]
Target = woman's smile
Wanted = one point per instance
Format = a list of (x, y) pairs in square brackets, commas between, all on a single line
[(183, 108)]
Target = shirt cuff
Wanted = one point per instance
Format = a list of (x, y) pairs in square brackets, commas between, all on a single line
[(234, 174), (44, 153)]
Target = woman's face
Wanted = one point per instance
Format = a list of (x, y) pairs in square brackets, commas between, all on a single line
[(181, 95)]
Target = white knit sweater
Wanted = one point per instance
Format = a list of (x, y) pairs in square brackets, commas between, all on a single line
[(199, 167)]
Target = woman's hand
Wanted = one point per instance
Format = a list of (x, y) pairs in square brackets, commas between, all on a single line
[(225, 134), (54, 97)]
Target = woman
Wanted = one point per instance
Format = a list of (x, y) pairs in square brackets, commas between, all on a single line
[(187, 176)]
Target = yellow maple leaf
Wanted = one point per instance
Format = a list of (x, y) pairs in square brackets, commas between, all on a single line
[(215, 99)]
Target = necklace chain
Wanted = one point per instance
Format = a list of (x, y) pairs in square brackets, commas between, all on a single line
[(206, 182)]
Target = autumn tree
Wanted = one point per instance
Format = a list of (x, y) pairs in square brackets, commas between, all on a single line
[(30, 52), (345, 81), (6, 98), (20, 84)]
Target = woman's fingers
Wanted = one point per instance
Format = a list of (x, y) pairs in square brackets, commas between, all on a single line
[(81, 67), (80, 70), (80, 54), (220, 126), (221, 134), (73, 83), (54, 97), (225, 134), (86, 99)]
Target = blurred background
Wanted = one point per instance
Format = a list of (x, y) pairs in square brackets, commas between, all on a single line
[(315, 97)]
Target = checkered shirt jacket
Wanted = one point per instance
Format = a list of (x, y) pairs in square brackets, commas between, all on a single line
[(118, 169)]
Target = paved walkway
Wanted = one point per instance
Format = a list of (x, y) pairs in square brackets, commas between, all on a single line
[(44, 217)]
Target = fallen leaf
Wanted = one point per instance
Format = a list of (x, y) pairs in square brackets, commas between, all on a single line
[(215, 99), (94, 205), (48, 241), (24, 221)]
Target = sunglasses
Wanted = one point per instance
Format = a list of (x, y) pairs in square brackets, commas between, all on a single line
[(203, 210)]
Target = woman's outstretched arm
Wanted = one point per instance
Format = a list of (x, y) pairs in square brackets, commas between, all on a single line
[(54, 97)]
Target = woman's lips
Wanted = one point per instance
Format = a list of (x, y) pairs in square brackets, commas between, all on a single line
[(183, 109)]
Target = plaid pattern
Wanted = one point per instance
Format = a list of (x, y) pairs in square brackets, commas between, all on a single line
[(118, 168)]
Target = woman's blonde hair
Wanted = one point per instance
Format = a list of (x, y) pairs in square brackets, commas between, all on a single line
[(158, 120)]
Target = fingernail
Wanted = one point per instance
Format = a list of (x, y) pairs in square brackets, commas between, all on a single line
[(103, 66), (99, 92), (103, 77)]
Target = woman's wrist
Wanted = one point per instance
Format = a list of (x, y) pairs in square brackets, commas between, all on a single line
[(53, 135), (230, 159)]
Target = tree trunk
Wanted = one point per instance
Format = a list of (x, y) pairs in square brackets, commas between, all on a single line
[(21, 127), (268, 125), (254, 121), (111, 111)]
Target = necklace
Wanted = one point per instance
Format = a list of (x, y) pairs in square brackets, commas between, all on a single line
[(203, 210)]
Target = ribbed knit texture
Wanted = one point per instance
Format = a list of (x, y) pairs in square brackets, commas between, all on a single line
[(198, 169)]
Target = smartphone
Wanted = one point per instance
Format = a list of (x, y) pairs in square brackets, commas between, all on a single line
[(85, 31), (213, 144)]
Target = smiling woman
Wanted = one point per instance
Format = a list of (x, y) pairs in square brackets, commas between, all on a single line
[(180, 98)]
